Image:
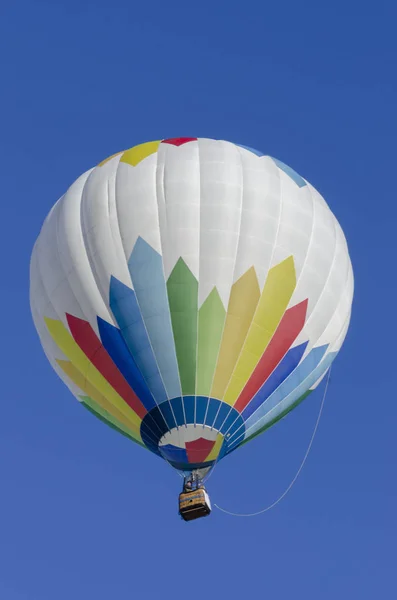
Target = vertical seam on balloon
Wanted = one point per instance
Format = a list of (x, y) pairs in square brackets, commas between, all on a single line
[(297, 281), (328, 351), (137, 301), (347, 276), (83, 231), (256, 309), (136, 297), (112, 237), (267, 274), (209, 394), (341, 299), (310, 239), (325, 284), (95, 276), (59, 258), (50, 304), (233, 276), (165, 282), (56, 217), (166, 150), (114, 248), (59, 252), (234, 272), (198, 290), (215, 366)]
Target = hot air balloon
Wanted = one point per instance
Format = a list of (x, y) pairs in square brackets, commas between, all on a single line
[(190, 293)]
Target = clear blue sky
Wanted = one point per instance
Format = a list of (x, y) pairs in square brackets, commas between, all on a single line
[(86, 514)]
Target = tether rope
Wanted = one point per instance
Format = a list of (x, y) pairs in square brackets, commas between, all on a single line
[(259, 512)]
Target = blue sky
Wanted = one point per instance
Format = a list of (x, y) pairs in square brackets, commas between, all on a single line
[(83, 512)]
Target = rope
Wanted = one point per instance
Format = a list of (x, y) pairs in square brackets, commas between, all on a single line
[(259, 512)]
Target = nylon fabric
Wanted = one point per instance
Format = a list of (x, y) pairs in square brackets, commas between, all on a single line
[(190, 293)]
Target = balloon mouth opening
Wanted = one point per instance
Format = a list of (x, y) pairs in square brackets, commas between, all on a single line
[(190, 447), (191, 432)]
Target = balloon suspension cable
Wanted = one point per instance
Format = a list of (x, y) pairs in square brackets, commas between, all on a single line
[(259, 512)]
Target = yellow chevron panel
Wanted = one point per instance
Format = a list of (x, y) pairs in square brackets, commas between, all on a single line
[(66, 343), (244, 297), (213, 455), (78, 378), (108, 418), (135, 155), (277, 292)]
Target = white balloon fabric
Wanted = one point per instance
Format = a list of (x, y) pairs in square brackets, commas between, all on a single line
[(190, 293)]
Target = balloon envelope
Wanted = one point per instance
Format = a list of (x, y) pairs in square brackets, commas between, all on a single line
[(190, 293)]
